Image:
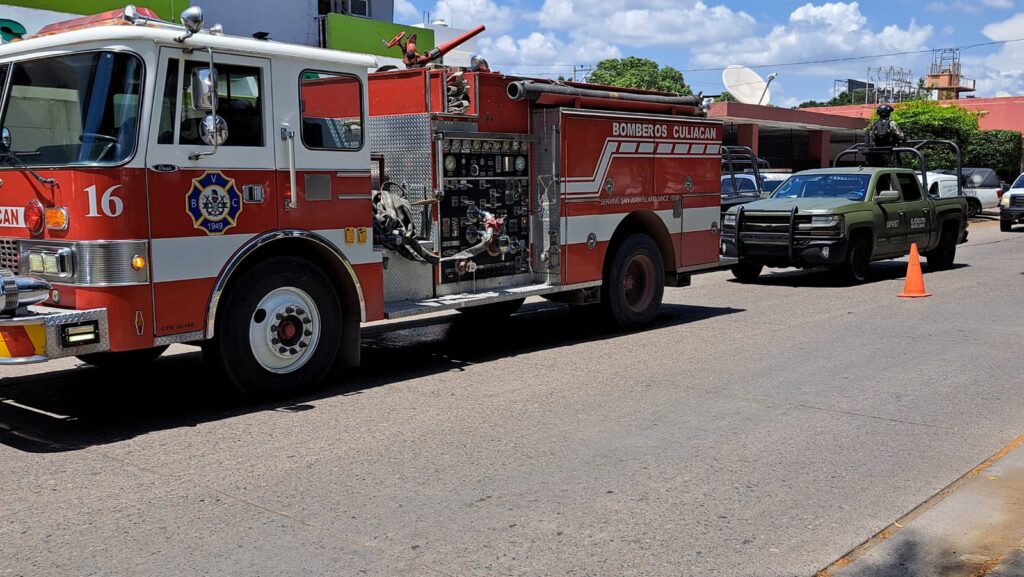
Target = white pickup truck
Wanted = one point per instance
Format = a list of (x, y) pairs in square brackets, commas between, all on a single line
[(1011, 206), (981, 187)]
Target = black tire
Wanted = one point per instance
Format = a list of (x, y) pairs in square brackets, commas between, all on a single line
[(973, 207), (492, 311), (634, 283), (854, 270), (747, 271), (943, 255), (123, 359), (1006, 225), (279, 329)]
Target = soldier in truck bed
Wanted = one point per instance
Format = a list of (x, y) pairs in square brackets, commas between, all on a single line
[(885, 133)]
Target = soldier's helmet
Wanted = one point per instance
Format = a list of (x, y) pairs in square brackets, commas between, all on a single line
[(884, 111)]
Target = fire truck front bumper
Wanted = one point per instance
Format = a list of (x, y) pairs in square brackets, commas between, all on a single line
[(47, 333)]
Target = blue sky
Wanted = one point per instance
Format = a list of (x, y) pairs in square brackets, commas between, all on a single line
[(546, 37)]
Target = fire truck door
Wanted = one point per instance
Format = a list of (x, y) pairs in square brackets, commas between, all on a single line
[(324, 155), (205, 202)]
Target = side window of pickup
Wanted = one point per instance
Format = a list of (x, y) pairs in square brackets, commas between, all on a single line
[(885, 183), (910, 186)]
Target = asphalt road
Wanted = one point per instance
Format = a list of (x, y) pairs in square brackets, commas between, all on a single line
[(756, 430)]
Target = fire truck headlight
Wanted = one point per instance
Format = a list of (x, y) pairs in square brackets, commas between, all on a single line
[(729, 220), (54, 263)]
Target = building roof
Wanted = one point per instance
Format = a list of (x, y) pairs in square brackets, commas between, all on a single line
[(772, 118)]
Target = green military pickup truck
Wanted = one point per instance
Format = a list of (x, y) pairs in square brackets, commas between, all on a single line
[(843, 218)]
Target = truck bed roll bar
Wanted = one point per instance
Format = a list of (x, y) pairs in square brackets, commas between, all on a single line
[(913, 147)]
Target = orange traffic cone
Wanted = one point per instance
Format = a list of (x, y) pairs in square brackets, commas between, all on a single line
[(914, 286)]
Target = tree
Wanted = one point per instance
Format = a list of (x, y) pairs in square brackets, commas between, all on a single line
[(812, 104), (634, 72), (726, 97), (930, 120), (999, 150)]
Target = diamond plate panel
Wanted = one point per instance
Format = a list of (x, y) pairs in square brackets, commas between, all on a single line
[(405, 143), (547, 226)]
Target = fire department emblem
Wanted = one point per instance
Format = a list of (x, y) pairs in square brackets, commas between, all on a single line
[(214, 203), (689, 184)]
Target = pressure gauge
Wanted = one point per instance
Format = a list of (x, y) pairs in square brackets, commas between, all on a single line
[(515, 146), (476, 145), (520, 164), (449, 163), (446, 145), (487, 146), (507, 146), (456, 145)]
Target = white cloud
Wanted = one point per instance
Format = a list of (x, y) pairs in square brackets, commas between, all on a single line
[(404, 10), (998, 3), (644, 22), (469, 13), (819, 32), (1003, 71), (543, 54)]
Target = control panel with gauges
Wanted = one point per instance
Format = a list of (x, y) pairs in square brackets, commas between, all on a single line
[(484, 206)]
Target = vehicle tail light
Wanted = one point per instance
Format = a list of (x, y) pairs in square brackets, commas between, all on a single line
[(56, 218), (1000, 193), (34, 217)]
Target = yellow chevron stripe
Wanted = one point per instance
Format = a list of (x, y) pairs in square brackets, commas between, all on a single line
[(4, 352), (37, 333)]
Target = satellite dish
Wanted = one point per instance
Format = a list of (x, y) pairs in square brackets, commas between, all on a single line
[(746, 85)]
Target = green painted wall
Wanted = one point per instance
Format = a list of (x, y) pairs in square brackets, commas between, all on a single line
[(167, 9), (356, 34)]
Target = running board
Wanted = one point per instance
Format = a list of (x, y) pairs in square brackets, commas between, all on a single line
[(404, 309)]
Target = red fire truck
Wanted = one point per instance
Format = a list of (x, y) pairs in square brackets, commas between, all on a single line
[(166, 183)]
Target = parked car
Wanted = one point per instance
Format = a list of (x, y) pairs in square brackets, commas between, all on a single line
[(982, 188), (771, 180), (1011, 205), (941, 185)]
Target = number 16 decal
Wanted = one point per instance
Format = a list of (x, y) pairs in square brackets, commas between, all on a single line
[(111, 205)]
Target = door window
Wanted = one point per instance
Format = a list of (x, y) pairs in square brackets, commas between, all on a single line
[(910, 187), (239, 102), (332, 111)]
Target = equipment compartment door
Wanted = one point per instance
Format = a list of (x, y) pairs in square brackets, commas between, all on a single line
[(204, 207)]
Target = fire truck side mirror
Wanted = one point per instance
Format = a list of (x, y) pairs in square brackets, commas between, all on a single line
[(204, 89), (5, 140), (213, 130)]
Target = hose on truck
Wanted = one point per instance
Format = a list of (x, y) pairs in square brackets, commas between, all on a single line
[(395, 228)]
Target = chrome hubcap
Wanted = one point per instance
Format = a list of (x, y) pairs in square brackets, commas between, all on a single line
[(284, 330)]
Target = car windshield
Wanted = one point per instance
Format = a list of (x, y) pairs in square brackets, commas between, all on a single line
[(848, 186), (1019, 183), (78, 109), (770, 185)]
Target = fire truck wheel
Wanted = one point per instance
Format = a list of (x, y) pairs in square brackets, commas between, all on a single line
[(280, 328), (123, 358), (634, 283)]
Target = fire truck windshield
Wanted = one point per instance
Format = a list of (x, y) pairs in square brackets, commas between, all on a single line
[(74, 110)]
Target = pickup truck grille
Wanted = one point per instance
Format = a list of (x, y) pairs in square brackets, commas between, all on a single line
[(9, 257), (765, 227), (1017, 201)]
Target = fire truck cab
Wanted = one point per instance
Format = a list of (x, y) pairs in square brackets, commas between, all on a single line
[(164, 183)]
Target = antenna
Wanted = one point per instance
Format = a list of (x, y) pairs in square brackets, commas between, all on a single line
[(746, 85)]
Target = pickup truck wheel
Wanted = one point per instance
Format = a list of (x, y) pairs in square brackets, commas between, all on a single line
[(279, 330), (973, 206), (123, 359), (1005, 225), (854, 270), (943, 255), (747, 271), (634, 283)]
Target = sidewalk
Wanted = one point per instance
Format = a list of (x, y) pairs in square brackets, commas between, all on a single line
[(973, 528)]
